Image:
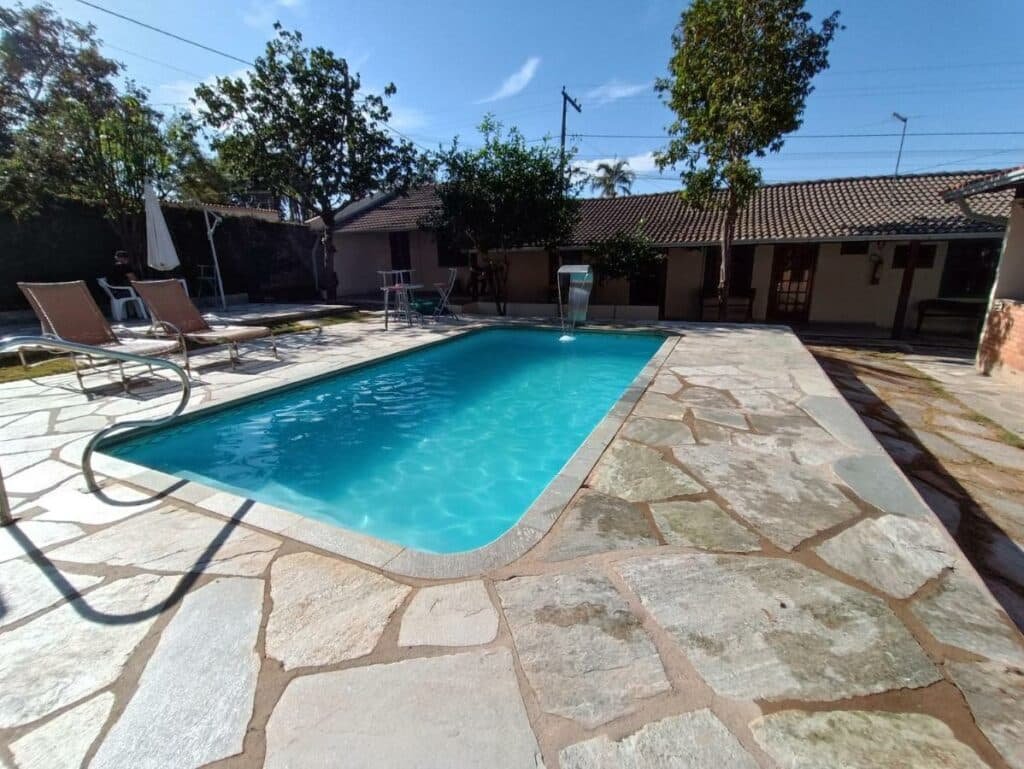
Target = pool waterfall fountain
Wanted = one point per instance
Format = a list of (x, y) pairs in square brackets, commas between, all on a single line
[(574, 310)]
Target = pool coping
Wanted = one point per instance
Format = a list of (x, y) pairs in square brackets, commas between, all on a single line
[(521, 537)]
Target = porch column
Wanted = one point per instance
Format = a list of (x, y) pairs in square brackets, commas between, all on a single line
[(900, 319)]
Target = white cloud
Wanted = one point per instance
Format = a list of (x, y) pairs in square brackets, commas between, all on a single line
[(638, 164), (515, 82), (263, 13), (615, 89)]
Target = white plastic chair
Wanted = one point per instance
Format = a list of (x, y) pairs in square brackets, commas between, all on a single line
[(121, 298)]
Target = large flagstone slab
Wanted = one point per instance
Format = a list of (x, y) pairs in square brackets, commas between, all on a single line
[(70, 503), (195, 697), (995, 693), (28, 536), (39, 477), (706, 397), (877, 481), (702, 525), (836, 416), (64, 656), (326, 610), (857, 739), (26, 588), (997, 453), (460, 711), (659, 406), (458, 614), (177, 541), (63, 742), (640, 474), (657, 432), (691, 741), (962, 613), (895, 554), (598, 523), (767, 628), (783, 500), (584, 652)]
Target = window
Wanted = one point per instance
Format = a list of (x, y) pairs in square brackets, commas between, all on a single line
[(970, 269), (851, 247), (400, 258), (741, 270), (925, 257)]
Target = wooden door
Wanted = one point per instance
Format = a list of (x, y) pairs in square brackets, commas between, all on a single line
[(789, 296)]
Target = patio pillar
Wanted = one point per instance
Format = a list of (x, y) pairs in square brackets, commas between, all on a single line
[(900, 319)]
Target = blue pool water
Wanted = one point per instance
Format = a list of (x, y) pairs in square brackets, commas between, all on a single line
[(442, 449)]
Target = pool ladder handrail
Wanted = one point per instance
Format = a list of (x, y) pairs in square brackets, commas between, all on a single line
[(17, 343)]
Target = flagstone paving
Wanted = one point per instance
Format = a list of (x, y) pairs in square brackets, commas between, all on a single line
[(745, 579), (969, 469)]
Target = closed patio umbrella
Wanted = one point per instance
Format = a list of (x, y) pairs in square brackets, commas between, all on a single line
[(160, 253)]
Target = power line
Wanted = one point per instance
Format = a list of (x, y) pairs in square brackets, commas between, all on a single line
[(168, 34), (155, 61), (887, 134)]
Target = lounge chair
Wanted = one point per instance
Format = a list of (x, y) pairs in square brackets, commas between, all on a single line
[(67, 311), (173, 312)]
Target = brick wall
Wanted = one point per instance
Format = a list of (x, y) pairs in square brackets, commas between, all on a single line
[(1002, 345)]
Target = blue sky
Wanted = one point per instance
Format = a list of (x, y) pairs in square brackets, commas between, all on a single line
[(950, 66)]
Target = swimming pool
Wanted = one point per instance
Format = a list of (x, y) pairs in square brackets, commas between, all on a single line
[(442, 449)]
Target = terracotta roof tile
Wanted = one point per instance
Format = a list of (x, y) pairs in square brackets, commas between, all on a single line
[(827, 209)]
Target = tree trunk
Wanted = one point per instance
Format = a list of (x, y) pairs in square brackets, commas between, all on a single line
[(328, 275), (728, 232), (499, 280)]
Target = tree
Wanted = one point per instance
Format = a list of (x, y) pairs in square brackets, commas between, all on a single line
[(610, 179), (505, 195), (45, 60), (738, 82), (296, 125), (49, 68), (625, 254)]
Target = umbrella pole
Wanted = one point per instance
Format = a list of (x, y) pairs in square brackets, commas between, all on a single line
[(213, 250)]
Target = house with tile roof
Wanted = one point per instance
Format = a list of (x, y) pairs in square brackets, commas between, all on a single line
[(825, 251)]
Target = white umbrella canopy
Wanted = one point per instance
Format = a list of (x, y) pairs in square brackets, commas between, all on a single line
[(160, 253)]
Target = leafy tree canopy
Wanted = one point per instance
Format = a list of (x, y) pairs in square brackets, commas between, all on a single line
[(504, 195), (738, 82), (626, 254), (299, 126), (68, 131)]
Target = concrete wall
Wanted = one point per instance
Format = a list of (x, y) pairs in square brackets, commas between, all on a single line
[(360, 255), (1010, 276), (1001, 350)]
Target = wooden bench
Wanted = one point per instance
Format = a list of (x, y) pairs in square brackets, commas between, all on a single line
[(972, 309)]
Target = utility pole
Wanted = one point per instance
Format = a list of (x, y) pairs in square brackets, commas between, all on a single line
[(903, 136), (566, 100)]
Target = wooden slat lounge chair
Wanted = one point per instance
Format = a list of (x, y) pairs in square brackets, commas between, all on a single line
[(173, 312), (67, 311)]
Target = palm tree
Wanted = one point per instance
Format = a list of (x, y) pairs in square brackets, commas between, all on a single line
[(612, 178)]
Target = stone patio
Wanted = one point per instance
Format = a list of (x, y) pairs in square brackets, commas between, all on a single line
[(742, 579), (958, 436)]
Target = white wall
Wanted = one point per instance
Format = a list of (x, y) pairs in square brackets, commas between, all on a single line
[(1010, 277)]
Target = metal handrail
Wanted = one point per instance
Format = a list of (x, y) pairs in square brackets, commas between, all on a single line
[(16, 343)]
